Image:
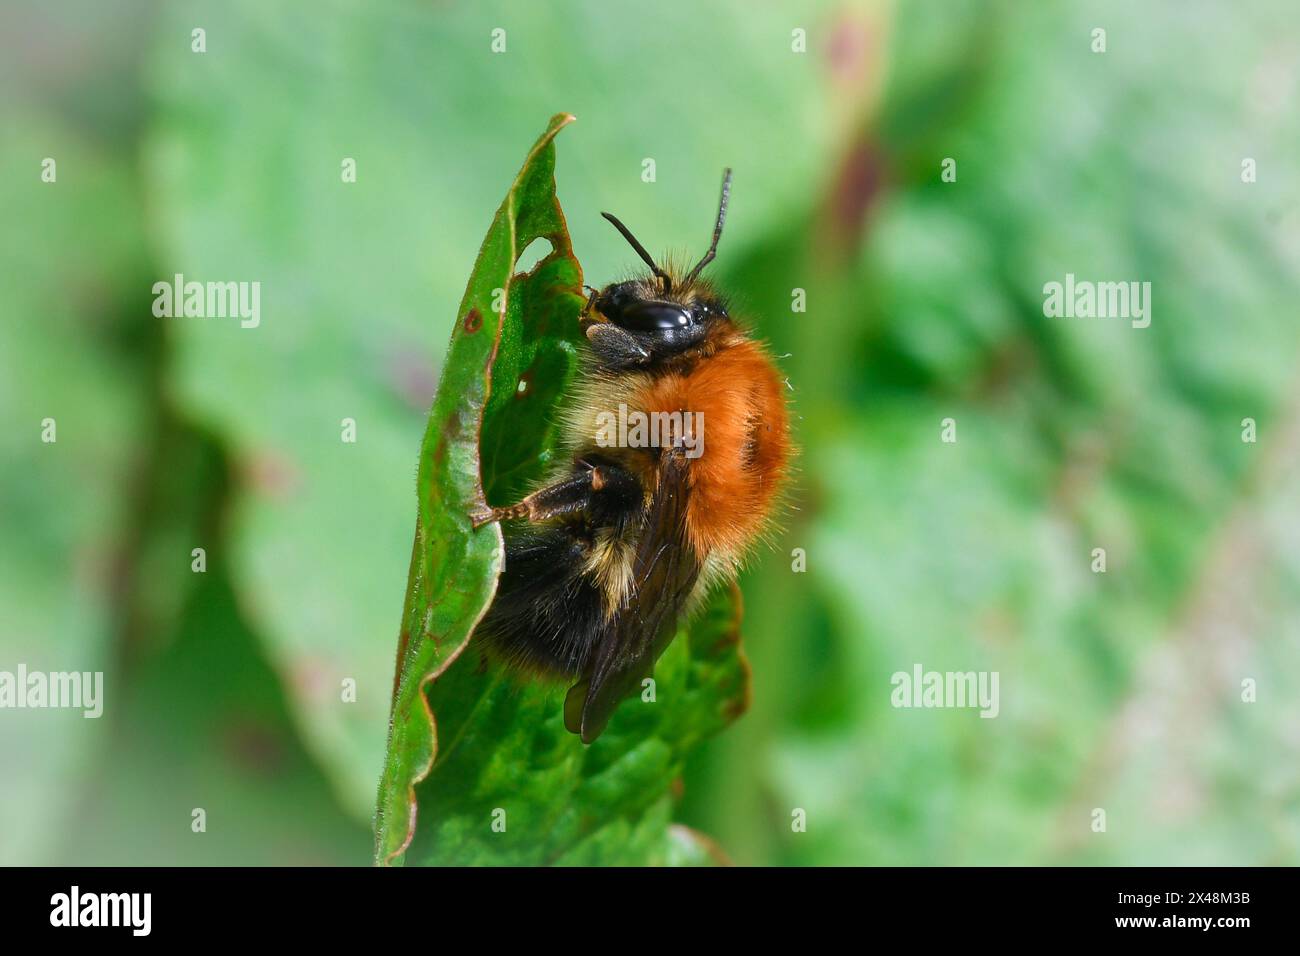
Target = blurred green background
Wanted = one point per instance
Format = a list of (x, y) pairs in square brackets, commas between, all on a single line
[(1119, 690)]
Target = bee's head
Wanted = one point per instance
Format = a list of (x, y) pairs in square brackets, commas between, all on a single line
[(660, 323), (642, 321)]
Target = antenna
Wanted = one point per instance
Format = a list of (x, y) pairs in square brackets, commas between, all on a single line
[(640, 250), (717, 230)]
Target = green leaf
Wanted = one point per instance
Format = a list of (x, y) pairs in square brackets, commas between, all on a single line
[(509, 759), (505, 749), (454, 568)]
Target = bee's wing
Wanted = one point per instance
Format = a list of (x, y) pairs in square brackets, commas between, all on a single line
[(664, 569)]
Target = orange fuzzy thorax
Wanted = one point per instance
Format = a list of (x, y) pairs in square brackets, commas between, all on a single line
[(735, 483)]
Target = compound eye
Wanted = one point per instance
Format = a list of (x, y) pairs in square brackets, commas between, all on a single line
[(706, 309), (652, 317)]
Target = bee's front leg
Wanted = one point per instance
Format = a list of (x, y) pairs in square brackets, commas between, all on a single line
[(590, 488)]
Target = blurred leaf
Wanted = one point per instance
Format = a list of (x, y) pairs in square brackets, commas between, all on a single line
[(65, 506), (1072, 434), (205, 725)]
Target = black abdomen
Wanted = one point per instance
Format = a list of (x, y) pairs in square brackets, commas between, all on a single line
[(548, 614)]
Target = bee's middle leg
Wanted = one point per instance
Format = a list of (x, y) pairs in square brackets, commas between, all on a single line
[(591, 488)]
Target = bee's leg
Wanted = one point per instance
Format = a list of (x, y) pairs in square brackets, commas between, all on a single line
[(592, 488)]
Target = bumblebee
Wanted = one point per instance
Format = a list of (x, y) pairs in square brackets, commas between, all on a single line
[(604, 558)]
